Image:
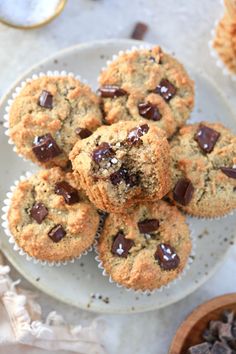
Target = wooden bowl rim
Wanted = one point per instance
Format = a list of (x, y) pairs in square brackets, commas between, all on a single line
[(198, 313)]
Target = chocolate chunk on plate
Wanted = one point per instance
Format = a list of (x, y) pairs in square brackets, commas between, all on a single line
[(139, 31)]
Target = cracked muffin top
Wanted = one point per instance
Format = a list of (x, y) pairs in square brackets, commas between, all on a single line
[(50, 218), (48, 117), (147, 84), (123, 164), (204, 169), (145, 248)]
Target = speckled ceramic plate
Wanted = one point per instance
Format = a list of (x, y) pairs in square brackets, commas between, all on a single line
[(76, 283)]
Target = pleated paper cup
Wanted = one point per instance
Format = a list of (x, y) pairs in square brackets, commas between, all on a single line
[(17, 248), (17, 91), (122, 52), (148, 292), (215, 55)]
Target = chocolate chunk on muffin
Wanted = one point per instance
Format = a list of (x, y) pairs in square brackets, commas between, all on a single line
[(204, 169), (145, 248), (123, 164), (50, 218), (147, 84), (49, 115)]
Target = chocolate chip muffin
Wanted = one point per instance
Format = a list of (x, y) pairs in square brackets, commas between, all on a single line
[(224, 41), (123, 164), (147, 84), (145, 248), (50, 218), (49, 115), (204, 169)]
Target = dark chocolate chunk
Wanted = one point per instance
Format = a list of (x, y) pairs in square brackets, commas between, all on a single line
[(123, 175), (203, 348), (206, 138), (83, 132), (152, 59), (103, 151), (121, 245), (68, 167), (234, 330), (167, 257), (118, 176), (69, 193), (183, 191), (136, 133), (214, 327), (45, 148), (224, 331), (148, 225), (110, 91), (132, 180), (229, 171), (220, 348), (149, 111), (208, 336), (139, 31), (166, 89), (57, 233), (38, 212), (219, 336), (232, 344), (228, 316), (45, 99)]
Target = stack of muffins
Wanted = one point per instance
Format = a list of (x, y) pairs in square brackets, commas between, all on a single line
[(125, 151)]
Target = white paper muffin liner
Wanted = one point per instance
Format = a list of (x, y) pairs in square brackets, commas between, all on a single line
[(121, 52), (164, 287), (219, 217), (11, 239), (219, 63), (17, 91)]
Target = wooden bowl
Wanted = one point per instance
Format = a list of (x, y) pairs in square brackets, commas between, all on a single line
[(190, 331)]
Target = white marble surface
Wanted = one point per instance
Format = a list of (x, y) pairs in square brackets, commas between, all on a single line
[(182, 27)]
